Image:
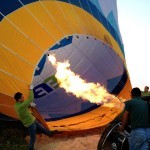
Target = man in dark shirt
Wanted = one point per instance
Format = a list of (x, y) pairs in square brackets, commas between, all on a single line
[(137, 111)]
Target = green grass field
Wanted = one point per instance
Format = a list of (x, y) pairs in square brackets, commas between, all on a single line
[(12, 135)]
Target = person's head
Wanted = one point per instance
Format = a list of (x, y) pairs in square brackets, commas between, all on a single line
[(146, 88), (19, 97), (136, 92)]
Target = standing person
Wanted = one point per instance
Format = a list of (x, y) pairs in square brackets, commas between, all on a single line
[(137, 111), (146, 91), (26, 117)]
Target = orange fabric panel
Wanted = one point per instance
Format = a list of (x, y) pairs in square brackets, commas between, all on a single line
[(7, 105), (125, 93)]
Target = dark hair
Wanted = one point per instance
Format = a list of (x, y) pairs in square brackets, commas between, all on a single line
[(136, 92), (17, 96)]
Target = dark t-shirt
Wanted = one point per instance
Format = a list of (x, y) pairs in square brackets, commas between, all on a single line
[(139, 113)]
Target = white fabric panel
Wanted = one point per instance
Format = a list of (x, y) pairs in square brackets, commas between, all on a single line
[(90, 58)]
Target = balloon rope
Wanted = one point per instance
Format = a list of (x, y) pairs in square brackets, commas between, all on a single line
[(13, 76), (88, 59), (98, 30), (37, 21), (77, 17), (16, 55), (6, 105), (67, 20), (27, 37), (90, 25), (51, 17)]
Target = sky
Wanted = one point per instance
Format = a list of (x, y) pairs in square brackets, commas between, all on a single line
[(134, 24)]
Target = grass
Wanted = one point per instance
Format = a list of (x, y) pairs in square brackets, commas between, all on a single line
[(12, 135)]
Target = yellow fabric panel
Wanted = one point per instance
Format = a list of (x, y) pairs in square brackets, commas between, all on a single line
[(95, 118), (10, 85), (32, 28), (50, 16), (76, 17), (15, 66), (18, 43), (44, 34)]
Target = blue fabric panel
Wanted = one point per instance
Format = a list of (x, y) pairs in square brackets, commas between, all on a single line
[(8, 6), (40, 65), (63, 43), (112, 21), (120, 84), (111, 83)]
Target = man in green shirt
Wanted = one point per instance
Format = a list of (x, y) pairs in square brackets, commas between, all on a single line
[(137, 111), (26, 117)]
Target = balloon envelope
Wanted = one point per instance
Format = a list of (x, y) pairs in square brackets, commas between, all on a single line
[(84, 32)]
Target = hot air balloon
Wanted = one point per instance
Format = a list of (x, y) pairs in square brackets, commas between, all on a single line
[(84, 32)]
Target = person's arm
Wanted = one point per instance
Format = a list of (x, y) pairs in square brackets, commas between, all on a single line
[(30, 99), (124, 120)]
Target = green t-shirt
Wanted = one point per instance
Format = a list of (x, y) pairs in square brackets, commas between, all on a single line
[(23, 111), (139, 113)]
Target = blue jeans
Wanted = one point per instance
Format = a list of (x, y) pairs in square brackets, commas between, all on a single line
[(139, 139), (32, 133)]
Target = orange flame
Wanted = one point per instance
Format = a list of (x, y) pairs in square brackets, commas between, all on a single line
[(72, 83)]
